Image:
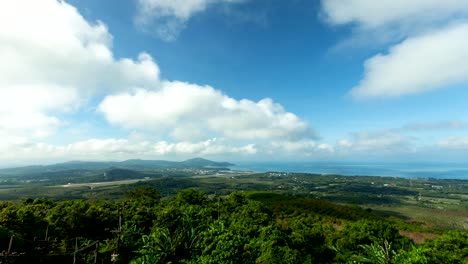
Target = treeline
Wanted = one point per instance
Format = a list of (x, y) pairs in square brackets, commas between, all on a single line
[(193, 228)]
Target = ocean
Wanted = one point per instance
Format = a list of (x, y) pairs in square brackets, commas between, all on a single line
[(406, 170)]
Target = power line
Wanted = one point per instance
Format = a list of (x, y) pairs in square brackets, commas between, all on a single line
[(86, 248)]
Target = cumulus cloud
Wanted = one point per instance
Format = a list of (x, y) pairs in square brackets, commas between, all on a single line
[(52, 61), (431, 52), (189, 112), (375, 24), (166, 18), (205, 148), (51, 43), (55, 63), (418, 64)]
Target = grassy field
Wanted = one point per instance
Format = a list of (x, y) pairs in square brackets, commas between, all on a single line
[(427, 217)]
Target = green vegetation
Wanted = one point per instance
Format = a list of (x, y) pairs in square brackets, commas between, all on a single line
[(429, 203), (192, 228), (213, 215)]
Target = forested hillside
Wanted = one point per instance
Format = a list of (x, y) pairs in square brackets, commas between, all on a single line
[(190, 227)]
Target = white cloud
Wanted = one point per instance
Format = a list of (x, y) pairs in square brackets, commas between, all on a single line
[(370, 14), (418, 64), (128, 148), (52, 61), (432, 126), (431, 53), (51, 43), (415, 141), (454, 143), (166, 18), (326, 148), (377, 142), (297, 148), (190, 112), (55, 64), (204, 148), (118, 149), (24, 109)]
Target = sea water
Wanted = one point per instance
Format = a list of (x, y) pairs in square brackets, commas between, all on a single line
[(406, 170)]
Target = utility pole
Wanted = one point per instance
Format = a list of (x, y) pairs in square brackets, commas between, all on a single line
[(7, 254), (9, 245), (218, 209), (76, 250), (115, 254), (96, 252), (46, 234)]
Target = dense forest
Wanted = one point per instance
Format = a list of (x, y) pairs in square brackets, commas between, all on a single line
[(191, 227)]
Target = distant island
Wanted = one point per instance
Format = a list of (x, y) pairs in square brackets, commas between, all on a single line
[(131, 164)]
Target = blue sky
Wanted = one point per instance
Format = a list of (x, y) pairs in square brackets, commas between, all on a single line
[(332, 80)]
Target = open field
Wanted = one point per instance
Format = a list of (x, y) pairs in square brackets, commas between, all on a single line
[(93, 185)]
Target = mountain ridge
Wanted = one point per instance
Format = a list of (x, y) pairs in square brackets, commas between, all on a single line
[(133, 164)]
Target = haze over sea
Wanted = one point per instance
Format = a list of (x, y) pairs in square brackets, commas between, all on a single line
[(406, 170)]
